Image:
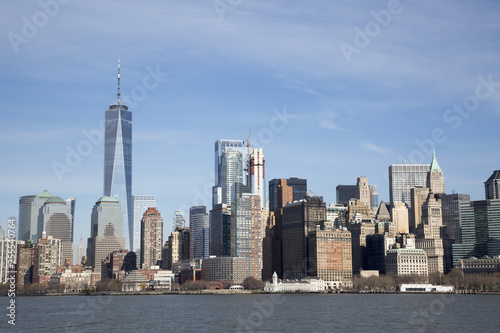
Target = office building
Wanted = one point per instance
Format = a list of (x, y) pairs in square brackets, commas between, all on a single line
[(298, 187), (118, 161), (55, 218), (399, 215), (404, 177), (480, 230), (359, 232), (450, 206), (29, 209), (435, 177), (346, 193), (199, 224), (106, 231), (300, 219), (48, 254), (228, 270), (374, 197), (336, 216), (151, 238), (492, 186), (407, 261), (140, 204), (330, 257), (358, 207), (228, 169), (363, 192), (220, 230), (178, 220), (418, 197), (24, 265), (80, 253)]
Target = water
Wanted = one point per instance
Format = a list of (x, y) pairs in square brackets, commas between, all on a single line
[(257, 313)]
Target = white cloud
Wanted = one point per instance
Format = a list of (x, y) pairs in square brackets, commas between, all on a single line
[(372, 147)]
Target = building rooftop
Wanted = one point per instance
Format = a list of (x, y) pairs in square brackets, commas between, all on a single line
[(45, 194), (107, 199), (55, 200), (434, 163), (495, 175)]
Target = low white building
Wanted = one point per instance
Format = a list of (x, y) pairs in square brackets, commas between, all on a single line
[(307, 284), (426, 288), (163, 280)]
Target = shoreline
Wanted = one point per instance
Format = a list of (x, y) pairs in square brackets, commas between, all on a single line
[(244, 292)]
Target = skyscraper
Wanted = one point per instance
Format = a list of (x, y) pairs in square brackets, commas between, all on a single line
[(404, 177), (346, 193), (298, 187), (221, 182), (55, 219), (178, 220), (363, 192), (29, 209), (232, 173), (105, 231), (492, 186), (140, 204), (258, 174), (200, 232), (435, 177), (151, 238), (118, 160)]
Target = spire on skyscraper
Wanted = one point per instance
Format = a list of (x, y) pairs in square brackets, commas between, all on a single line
[(434, 163), (118, 94)]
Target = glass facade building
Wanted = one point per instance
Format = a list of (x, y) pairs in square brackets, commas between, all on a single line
[(140, 204), (118, 161), (404, 177)]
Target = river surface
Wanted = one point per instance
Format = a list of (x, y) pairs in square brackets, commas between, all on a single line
[(256, 313)]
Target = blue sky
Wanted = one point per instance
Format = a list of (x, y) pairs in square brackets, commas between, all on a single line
[(357, 94)]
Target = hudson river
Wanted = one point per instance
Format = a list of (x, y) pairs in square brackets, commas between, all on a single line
[(256, 313)]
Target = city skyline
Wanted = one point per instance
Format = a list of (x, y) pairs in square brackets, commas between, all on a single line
[(303, 103)]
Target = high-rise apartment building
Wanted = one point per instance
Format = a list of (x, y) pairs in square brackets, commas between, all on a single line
[(151, 238), (140, 204), (492, 186), (48, 255), (404, 177), (179, 246), (118, 161), (199, 224), (24, 265), (106, 233), (55, 218), (258, 174), (246, 232)]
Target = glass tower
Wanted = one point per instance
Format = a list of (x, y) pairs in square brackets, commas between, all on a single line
[(140, 204), (118, 160)]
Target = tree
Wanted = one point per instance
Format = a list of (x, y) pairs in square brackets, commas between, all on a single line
[(252, 283)]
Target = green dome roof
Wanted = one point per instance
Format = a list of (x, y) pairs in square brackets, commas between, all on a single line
[(107, 199), (55, 200), (45, 194)]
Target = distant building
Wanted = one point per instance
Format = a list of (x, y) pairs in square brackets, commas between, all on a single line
[(306, 285), (359, 231), (199, 224), (485, 265), (358, 207), (220, 230), (56, 219), (228, 169), (80, 253), (399, 214), (25, 259), (450, 207), (48, 255), (246, 232), (374, 197), (179, 247), (140, 204), (279, 194), (336, 216), (151, 238), (435, 177), (492, 186), (106, 231), (346, 193), (331, 257), (418, 197), (407, 262), (377, 246), (230, 270), (300, 219), (257, 174), (404, 177), (480, 230)]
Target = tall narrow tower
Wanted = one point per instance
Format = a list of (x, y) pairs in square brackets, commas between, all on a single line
[(435, 177), (118, 160)]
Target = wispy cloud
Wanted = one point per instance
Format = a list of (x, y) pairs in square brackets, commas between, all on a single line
[(326, 121), (372, 147)]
